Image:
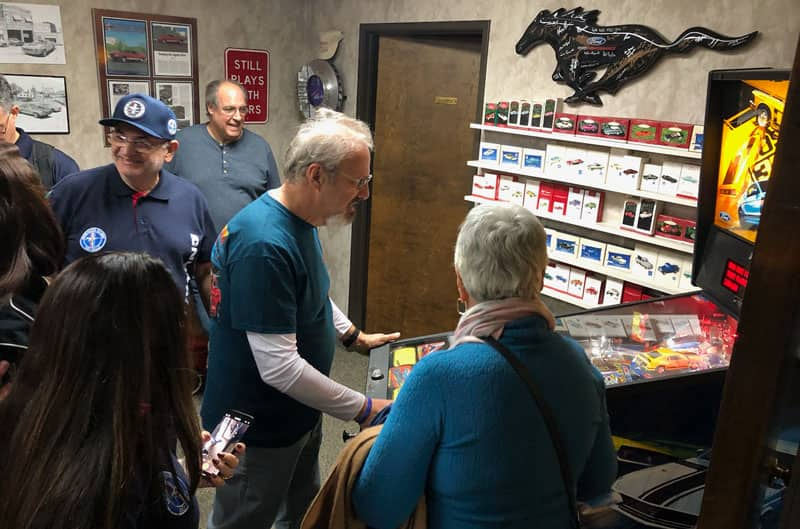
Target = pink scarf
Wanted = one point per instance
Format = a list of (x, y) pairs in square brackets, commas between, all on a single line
[(489, 318)]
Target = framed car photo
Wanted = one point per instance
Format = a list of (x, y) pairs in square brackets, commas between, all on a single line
[(42, 101)]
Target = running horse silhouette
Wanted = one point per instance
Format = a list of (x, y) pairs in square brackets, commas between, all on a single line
[(625, 52)]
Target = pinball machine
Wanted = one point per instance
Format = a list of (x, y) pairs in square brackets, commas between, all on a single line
[(665, 360)]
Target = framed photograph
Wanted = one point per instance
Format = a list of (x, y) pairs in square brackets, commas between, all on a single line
[(171, 45), (149, 54), (119, 88), (42, 101), (179, 96), (31, 34)]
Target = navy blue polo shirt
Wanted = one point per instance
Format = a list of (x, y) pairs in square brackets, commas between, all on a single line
[(97, 212)]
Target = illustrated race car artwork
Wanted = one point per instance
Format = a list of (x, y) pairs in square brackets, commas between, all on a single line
[(668, 268), (669, 496)]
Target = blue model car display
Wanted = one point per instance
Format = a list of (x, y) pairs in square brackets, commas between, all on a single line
[(668, 268), (751, 202)]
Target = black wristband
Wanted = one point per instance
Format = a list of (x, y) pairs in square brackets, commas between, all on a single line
[(351, 338)]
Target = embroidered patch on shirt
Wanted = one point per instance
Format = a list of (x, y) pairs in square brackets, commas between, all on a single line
[(93, 240)]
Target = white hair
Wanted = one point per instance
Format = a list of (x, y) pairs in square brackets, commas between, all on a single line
[(327, 138), (501, 252)]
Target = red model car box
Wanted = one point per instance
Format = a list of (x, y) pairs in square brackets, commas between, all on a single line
[(631, 292), (614, 128), (677, 135), (545, 202), (588, 126), (643, 131), (565, 123), (558, 205), (669, 227)]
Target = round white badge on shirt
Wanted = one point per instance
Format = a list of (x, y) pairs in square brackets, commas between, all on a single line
[(93, 240)]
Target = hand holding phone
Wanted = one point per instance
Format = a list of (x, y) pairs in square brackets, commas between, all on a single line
[(224, 437)]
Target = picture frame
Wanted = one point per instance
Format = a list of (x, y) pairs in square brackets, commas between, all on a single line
[(150, 54), (31, 34), (42, 100)]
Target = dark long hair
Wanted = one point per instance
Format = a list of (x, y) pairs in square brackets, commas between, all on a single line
[(32, 239), (90, 415)]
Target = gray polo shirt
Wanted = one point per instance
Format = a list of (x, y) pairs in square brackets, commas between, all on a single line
[(230, 175)]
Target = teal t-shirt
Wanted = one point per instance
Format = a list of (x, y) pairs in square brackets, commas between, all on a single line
[(269, 277)]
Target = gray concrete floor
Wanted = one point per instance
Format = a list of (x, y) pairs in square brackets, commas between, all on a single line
[(349, 369)]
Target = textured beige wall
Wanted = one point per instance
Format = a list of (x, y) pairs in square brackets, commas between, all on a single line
[(277, 26), (674, 90)]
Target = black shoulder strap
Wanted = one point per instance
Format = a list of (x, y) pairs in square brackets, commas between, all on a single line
[(549, 420), (42, 160)]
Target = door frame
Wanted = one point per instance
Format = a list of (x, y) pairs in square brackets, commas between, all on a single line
[(368, 49)]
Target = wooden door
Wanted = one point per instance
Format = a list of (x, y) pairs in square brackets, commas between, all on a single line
[(427, 94)]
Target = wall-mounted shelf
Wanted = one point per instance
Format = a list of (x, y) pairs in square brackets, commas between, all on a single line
[(604, 227), (580, 183), (590, 140), (615, 273)]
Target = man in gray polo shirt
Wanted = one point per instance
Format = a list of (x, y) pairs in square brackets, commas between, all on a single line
[(231, 166)]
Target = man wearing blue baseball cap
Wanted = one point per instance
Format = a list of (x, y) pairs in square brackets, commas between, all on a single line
[(134, 204)]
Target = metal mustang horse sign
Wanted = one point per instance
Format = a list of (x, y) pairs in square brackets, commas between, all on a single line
[(625, 51)]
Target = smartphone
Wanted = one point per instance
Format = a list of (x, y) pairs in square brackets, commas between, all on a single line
[(226, 434)]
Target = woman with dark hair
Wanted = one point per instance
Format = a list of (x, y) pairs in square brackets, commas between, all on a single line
[(32, 250), (99, 402)]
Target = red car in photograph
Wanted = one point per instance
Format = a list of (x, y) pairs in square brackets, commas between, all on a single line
[(171, 38), (126, 56)]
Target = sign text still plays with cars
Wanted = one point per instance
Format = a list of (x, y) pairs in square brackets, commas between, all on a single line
[(251, 69)]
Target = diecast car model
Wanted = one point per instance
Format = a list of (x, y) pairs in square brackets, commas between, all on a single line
[(644, 262), (645, 214), (650, 176), (669, 227), (596, 167), (668, 268), (577, 161), (630, 171), (587, 126), (613, 129), (668, 178), (39, 48), (612, 293), (674, 135), (564, 123)]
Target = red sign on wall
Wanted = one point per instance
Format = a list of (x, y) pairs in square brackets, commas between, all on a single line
[(251, 69)]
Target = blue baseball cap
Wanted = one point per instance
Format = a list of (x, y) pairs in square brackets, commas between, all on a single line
[(147, 114)]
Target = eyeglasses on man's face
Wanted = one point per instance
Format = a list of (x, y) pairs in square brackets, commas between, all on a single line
[(140, 145), (231, 111), (360, 182)]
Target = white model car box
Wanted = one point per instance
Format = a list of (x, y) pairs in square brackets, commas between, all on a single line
[(689, 182), (555, 163), (561, 277), (566, 245), (511, 190), (485, 185), (577, 278), (510, 157), (593, 289), (618, 258), (670, 176), (574, 203), (550, 275), (592, 252), (644, 262), (685, 281), (596, 167), (651, 176), (575, 163), (592, 211), (531, 195), (490, 153), (533, 161), (612, 293), (668, 270)]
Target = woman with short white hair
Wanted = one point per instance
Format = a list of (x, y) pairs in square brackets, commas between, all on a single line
[(465, 430)]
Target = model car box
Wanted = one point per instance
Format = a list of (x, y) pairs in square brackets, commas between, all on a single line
[(513, 113), (651, 175), (545, 204), (587, 126), (501, 115), (550, 275), (668, 270), (566, 245), (616, 164), (565, 123), (696, 143), (685, 281), (577, 278), (485, 185), (537, 112), (646, 217), (575, 162), (630, 209), (674, 134), (644, 262), (551, 107), (596, 165), (625, 172), (689, 181), (574, 203), (592, 211), (669, 227), (560, 197), (490, 153), (510, 157), (489, 113), (619, 258), (689, 230), (631, 292), (524, 113), (511, 190), (614, 128), (670, 176), (593, 289), (531, 195), (533, 161), (612, 292), (643, 131), (555, 163), (550, 238), (561, 277), (592, 252)]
